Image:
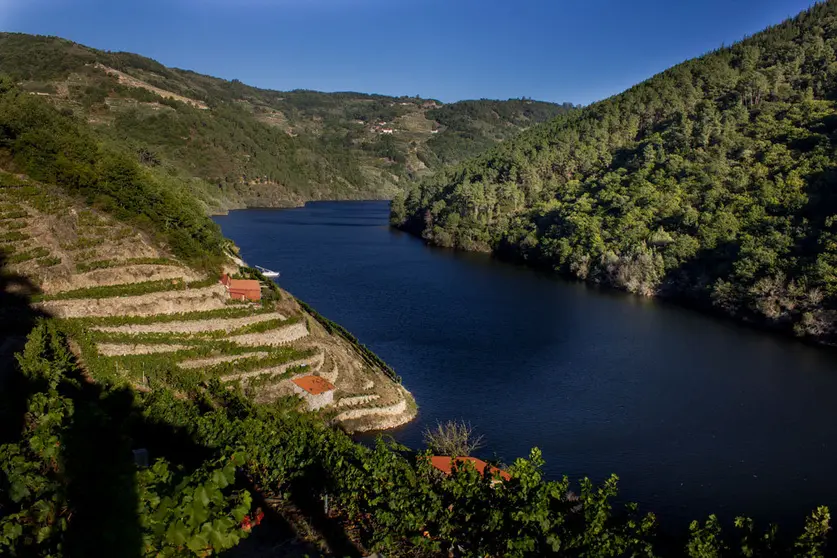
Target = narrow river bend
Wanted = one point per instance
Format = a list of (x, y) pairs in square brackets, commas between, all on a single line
[(695, 415)]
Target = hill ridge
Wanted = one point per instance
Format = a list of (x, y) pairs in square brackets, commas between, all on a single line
[(708, 182), (249, 146)]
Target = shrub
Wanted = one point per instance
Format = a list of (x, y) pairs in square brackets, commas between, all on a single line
[(454, 438)]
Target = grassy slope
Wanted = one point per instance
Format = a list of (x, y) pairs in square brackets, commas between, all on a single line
[(254, 146)]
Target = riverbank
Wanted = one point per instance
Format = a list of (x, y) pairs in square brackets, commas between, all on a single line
[(183, 365), (669, 291), (220, 207)]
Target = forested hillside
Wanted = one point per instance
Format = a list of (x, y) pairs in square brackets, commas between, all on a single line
[(713, 181), (250, 146)]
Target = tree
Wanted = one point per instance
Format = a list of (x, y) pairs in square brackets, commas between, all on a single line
[(453, 438)]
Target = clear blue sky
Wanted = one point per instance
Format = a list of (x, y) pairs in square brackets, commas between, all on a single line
[(558, 50)]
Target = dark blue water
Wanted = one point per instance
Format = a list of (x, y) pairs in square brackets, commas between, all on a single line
[(695, 414)]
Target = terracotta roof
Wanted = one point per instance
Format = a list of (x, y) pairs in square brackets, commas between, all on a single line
[(244, 285), (444, 462), (315, 385)]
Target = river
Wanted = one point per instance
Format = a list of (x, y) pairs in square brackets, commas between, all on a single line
[(695, 414)]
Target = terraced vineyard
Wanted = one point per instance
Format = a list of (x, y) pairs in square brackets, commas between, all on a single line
[(138, 315)]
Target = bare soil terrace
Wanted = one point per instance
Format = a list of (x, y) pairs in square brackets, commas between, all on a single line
[(186, 330)]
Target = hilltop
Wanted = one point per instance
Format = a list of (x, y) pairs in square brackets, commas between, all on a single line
[(712, 182), (245, 146)]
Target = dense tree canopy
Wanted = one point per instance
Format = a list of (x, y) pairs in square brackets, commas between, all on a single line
[(472, 127), (713, 180)]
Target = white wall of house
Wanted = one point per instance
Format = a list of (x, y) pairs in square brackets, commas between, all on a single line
[(315, 401)]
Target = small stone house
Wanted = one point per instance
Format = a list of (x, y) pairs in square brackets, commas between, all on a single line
[(315, 390), (242, 289)]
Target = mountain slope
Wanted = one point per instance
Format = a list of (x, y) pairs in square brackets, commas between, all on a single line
[(712, 181), (252, 146), (102, 241), (140, 316)]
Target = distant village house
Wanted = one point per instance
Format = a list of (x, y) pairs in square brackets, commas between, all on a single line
[(379, 129)]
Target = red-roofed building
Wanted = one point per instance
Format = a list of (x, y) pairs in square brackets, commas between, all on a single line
[(316, 390), (445, 464), (242, 289)]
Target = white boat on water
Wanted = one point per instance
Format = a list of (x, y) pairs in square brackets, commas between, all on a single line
[(266, 272)]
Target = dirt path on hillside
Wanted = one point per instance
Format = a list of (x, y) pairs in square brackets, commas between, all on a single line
[(274, 337), (356, 400), (311, 363), (131, 81), (123, 349), (167, 302), (120, 276), (212, 361), (193, 326)]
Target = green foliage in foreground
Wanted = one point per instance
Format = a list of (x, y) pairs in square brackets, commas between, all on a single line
[(396, 501), (68, 487), (712, 181), (196, 515)]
